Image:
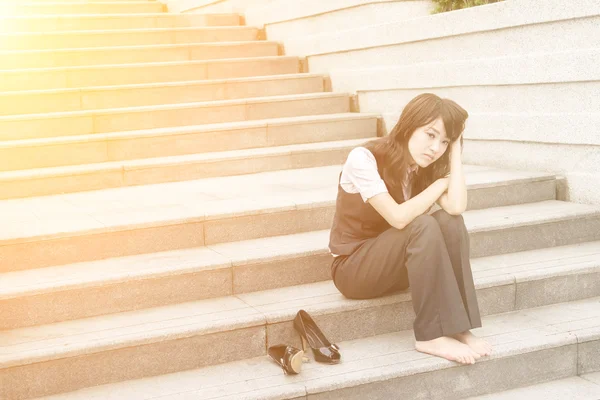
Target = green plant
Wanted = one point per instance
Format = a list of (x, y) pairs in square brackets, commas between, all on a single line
[(449, 5)]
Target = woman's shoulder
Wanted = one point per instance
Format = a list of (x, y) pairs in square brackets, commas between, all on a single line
[(361, 154), (360, 174), (361, 162)]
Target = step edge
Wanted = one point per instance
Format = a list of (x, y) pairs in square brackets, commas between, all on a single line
[(228, 263), (186, 130), (177, 106), (76, 69), (85, 90)]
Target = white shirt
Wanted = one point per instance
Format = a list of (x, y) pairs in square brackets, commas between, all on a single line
[(360, 175)]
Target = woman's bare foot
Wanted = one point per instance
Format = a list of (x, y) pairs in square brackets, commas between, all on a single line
[(448, 348), (482, 347)]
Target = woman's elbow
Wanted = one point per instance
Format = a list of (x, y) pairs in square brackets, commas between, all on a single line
[(397, 222), (455, 206)]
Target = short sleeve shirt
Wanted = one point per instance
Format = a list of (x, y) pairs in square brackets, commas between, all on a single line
[(360, 175)]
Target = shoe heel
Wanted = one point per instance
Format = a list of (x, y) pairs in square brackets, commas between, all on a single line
[(304, 343), (296, 361), (287, 357), (304, 346)]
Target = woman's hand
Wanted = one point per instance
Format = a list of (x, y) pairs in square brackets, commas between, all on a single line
[(457, 147), (454, 201)]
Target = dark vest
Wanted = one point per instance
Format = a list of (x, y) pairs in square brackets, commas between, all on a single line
[(356, 221)]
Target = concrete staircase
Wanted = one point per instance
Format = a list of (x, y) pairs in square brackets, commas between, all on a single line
[(168, 185), (526, 70)]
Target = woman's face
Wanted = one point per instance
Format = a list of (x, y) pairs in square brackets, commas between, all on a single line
[(428, 143)]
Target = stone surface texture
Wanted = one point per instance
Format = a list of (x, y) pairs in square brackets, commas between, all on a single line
[(444, 51), (169, 180)]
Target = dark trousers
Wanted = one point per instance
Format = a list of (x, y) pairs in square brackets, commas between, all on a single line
[(431, 255)]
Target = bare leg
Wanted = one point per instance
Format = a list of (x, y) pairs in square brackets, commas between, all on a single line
[(482, 347), (448, 348)]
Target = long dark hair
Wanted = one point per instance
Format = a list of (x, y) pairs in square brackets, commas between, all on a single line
[(391, 151)]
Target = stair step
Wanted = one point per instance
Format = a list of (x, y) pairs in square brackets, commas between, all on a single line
[(172, 115), (94, 98), (118, 146), (30, 8), (110, 75), (276, 13), (52, 23), (486, 72), (77, 1), (77, 178), (507, 24), (493, 106), (331, 17), (130, 37), (76, 227), (585, 387), (110, 57), (561, 340), (32, 297)]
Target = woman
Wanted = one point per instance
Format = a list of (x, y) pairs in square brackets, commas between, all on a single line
[(382, 238)]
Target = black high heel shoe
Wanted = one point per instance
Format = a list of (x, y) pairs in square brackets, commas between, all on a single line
[(289, 358), (312, 336)]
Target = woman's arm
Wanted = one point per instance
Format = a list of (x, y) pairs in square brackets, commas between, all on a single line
[(454, 201), (400, 215)]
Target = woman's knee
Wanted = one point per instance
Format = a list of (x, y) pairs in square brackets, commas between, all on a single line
[(355, 290)]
